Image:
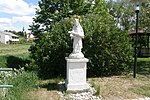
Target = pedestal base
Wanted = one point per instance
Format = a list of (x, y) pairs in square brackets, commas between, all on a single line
[(76, 74), (77, 87)]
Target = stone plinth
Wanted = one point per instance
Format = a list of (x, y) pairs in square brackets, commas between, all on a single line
[(76, 74)]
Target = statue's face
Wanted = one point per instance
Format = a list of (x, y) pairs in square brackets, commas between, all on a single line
[(76, 22)]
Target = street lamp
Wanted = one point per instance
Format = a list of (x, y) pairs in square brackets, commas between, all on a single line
[(137, 8)]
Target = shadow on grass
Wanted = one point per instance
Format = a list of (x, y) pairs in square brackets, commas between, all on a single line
[(16, 62), (53, 84), (143, 67)]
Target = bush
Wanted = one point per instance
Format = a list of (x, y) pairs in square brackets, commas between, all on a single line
[(50, 52), (23, 41), (106, 46)]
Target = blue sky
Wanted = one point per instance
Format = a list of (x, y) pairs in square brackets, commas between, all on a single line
[(16, 14)]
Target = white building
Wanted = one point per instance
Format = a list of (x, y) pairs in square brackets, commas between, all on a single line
[(29, 36), (7, 37)]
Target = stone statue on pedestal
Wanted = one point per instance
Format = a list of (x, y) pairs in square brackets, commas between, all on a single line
[(77, 34), (76, 62)]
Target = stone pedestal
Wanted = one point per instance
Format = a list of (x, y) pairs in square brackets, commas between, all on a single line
[(76, 74)]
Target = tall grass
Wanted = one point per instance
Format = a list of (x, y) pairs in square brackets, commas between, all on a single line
[(17, 56), (23, 83)]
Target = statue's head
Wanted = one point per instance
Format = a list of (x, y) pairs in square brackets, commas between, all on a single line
[(76, 21)]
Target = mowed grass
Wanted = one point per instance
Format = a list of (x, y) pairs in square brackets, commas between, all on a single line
[(13, 49), (123, 87), (13, 55), (126, 87), (143, 66)]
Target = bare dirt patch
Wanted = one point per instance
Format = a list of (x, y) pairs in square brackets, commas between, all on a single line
[(43, 94)]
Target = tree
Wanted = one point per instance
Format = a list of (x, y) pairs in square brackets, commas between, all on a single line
[(105, 45), (52, 11), (145, 15), (124, 14), (50, 27)]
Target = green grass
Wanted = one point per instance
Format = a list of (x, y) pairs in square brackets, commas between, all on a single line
[(13, 49), (23, 83), (143, 66), (3, 61), (17, 56), (142, 90), (96, 87), (14, 55)]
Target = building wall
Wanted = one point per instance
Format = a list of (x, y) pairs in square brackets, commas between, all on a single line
[(7, 38), (2, 38), (14, 39)]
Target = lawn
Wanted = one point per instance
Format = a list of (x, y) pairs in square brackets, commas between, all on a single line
[(13, 49), (13, 55), (143, 66), (123, 87), (126, 87)]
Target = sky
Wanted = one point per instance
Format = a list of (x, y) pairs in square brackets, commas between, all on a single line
[(16, 14)]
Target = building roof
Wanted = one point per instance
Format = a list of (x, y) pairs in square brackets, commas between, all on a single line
[(8, 33), (140, 32)]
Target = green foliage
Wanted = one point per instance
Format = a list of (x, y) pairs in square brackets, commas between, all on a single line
[(145, 15), (51, 27), (22, 83), (51, 11), (50, 52), (106, 46), (23, 41), (123, 13)]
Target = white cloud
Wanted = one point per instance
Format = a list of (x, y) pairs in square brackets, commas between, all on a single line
[(18, 7), (7, 26), (10, 23), (20, 14), (22, 19), (5, 20)]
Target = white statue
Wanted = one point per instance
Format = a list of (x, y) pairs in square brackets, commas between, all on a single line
[(77, 34)]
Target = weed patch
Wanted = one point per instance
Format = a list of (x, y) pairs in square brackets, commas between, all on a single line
[(96, 87), (23, 83)]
